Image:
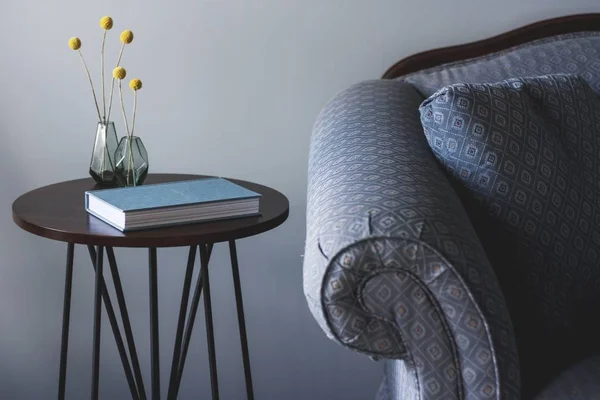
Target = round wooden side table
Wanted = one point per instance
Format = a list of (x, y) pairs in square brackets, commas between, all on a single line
[(57, 212)]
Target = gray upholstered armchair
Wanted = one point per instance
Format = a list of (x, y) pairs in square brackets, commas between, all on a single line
[(400, 267)]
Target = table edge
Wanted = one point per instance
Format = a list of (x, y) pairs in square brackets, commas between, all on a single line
[(115, 241)]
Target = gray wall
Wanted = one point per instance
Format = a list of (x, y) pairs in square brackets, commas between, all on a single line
[(220, 78)]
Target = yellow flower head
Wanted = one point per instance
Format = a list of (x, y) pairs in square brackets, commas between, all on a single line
[(74, 43), (135, 84), (119, 73), (106, 23), (126, 37)]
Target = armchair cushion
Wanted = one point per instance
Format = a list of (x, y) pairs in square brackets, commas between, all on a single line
[(526, 150)]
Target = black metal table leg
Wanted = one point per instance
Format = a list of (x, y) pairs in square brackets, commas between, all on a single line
[(241, 319), (185, 294), (64, 343), (112, 319), (210, 335), (155, 359), (97, 322), (185, 324), (189, 327), (126, 323)]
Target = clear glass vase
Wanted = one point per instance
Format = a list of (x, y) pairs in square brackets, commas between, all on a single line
[(102, 165), (132, 162)]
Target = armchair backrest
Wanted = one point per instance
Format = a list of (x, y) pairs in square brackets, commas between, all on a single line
[(572, 53), (536, 297)]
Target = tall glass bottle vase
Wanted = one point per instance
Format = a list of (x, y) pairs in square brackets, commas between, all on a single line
[(132, 162), (102, 166)]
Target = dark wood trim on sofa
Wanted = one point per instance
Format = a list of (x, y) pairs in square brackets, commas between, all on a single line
[(538, 30)]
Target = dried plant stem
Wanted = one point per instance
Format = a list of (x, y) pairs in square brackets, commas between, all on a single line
[(104, 130), (128, 133), (112, 84), (112, 87), (87, 71), (134, 109), (120, 54), (131, 162), (123, 107), (102, 75)]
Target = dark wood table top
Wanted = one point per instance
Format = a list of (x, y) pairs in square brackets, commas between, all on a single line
[(58, 212)]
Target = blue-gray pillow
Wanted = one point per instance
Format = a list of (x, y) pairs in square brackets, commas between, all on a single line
[(526, 151)]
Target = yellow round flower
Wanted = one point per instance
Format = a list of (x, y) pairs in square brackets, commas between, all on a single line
[(74, 43), (106, 23), (119, 73), (126, 37), (135, 84)]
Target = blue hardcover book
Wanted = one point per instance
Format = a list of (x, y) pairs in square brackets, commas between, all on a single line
[(172, 203)]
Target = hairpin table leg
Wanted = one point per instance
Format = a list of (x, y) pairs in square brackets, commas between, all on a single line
[(155, 359), (210, 335), (64, 343), (97, 321), (241, 320)]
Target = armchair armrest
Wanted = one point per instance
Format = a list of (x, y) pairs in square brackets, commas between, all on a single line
[(393, 268)]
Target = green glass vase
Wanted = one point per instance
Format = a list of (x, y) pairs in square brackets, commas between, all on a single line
[(102, 165), (131, 162)]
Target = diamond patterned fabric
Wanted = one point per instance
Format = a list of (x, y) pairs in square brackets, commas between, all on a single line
[(526, 150), (574, 53), (380, 210), (371, 175)]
